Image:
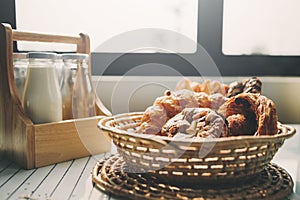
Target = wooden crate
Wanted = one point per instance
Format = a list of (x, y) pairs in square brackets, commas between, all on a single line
[(34, 145)]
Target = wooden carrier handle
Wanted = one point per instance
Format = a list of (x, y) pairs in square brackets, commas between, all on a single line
[(41, 37), (82, 41)]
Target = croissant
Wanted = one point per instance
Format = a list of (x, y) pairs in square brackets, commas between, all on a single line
[(250, 114), (152, 120), (175, 102), (164, 108)]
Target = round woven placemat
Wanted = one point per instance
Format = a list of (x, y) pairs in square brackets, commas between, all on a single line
[(112, 175)]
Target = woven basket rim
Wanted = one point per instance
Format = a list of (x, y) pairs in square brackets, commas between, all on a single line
[(290, 131)]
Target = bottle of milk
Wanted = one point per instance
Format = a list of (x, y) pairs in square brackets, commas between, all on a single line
[(42, 98)]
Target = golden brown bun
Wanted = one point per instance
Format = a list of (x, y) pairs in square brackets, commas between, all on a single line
[(259, 113)]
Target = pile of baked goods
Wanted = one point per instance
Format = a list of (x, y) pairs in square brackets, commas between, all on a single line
[(211, 110)]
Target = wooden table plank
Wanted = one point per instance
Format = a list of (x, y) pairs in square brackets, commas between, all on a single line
[(32, 183), (14, 183), (50, 183), (84, 186), (66, 186), (8, 173)]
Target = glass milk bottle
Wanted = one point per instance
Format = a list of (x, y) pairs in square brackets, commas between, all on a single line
[(42, 98), (69, 70), (20, 71), (77, 92)]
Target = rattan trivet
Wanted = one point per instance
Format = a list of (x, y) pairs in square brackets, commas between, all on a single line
[(110, 175)]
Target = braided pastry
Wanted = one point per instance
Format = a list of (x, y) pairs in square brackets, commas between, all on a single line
[(196, 122)]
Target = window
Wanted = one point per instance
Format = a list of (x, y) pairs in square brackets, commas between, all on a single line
[(220, 27), (261, 27), (118, 23)]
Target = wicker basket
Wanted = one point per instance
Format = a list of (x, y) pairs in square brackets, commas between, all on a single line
[(209, 161)]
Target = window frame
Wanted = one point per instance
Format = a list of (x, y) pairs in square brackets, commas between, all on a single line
[(209, 36)]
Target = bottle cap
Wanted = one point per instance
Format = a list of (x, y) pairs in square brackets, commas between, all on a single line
[(41, 55), (74, 56), (20, 55)]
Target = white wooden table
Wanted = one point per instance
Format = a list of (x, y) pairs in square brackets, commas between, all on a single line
[(72, 179), (67, 180)]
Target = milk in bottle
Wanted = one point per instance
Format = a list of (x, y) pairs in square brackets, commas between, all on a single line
[(42, 98)]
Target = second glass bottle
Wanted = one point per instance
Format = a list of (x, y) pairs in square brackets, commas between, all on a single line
[(77, 92)]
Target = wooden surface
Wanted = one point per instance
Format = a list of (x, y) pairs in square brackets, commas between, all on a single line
[(72, 179), (20, 139), (67, 180)]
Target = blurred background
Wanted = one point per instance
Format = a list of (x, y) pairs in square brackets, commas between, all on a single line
[(239, 38)]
